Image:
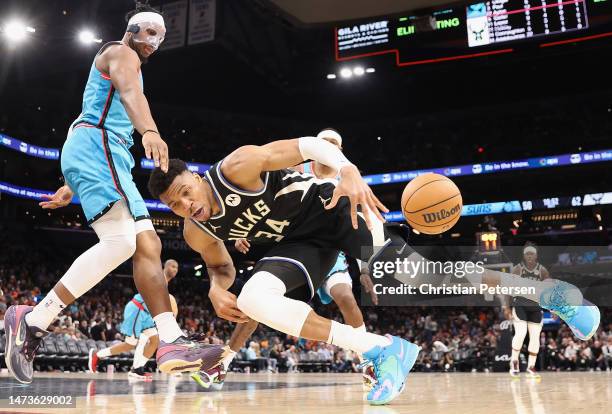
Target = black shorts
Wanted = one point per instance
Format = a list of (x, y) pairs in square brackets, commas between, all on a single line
[(305, 258), (301, 266), (528, 314)]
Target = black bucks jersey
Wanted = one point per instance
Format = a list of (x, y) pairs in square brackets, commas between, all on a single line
[(289, 205), (534, 274)]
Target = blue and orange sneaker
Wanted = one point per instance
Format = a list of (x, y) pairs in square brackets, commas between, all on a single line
[(566, 301), (185, 355), (391, 364), (22, 341)]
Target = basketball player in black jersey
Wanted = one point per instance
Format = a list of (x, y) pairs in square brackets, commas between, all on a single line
[(526, 314), (252, 194)]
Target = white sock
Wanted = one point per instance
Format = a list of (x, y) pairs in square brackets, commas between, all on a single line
[(347, 337), (43, 314), (167, 327), (104, 353), (531, 360), (139, 359), (227, 360), (362, 329)]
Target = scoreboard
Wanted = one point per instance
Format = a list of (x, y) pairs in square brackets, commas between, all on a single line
[(475, 28), (497, 21)]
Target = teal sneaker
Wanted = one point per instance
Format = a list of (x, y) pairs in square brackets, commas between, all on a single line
[(325, 298), (566, 301), (391, 364)]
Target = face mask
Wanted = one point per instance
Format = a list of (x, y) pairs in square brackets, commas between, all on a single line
[(143, 24), (144, 34)]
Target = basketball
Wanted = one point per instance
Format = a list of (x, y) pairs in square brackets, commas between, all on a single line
[(431, 203)]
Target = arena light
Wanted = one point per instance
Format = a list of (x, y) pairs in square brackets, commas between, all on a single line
[(358, 71), (346, 73), (370, 70), (331, 76), (16, 30), (88, 37)]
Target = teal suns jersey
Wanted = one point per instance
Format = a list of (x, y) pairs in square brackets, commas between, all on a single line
[(102, 105)]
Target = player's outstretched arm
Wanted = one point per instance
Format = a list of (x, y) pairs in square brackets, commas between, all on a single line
[(123, 66), (220, 269), (245, 166)]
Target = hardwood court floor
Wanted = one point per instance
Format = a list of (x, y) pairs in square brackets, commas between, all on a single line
[(555, 393)]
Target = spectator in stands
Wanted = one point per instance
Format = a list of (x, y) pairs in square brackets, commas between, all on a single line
[(584, 357), (324, 352), (110, 330), (599, 362), (2, 312), (570, 354), (251, 354), (84, 328), (552, 355), (278, 360), (607, 353), (291, 356), (97, 331), (70, 333)]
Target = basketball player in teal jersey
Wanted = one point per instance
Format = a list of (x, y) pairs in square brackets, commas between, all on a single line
[(252, 194), (139, 330), (96, 163)]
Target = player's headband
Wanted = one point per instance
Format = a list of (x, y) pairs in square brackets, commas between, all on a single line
[(530, 249), (330, 134), (140, 22)]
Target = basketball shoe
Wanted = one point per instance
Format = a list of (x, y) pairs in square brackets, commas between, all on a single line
[(185, 355), (213, 378), (22, 341), (566, 301), (140, 374), (391, 365), (514, 369), (92, 361), (368, 377), (532, 373)]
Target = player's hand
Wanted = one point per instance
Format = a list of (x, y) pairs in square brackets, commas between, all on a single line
[(61, 198), (226, 306), (368, 285), (156, 148), (242, 245), (353, 186)]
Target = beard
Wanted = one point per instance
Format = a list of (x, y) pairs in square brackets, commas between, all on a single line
[(143, 60)]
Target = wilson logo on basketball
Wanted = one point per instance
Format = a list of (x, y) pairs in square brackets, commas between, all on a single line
[(441, 215)]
